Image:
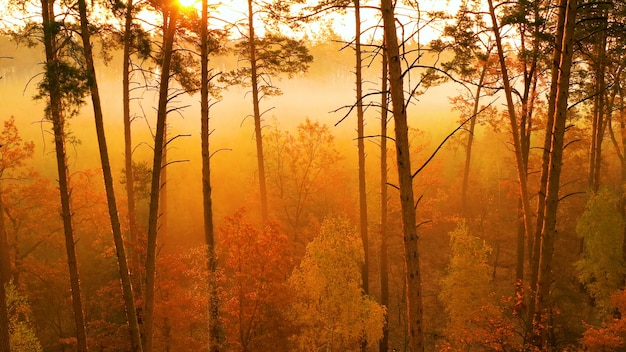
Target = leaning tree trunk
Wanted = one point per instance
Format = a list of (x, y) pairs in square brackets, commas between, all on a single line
[(544, 278), (129, 300), (155, 185), (257, 113), (209, 236), (384, 264), (58, 126), (407, 201), (515, 126)]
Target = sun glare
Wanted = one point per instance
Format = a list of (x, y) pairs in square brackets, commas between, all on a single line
[(187, 3)]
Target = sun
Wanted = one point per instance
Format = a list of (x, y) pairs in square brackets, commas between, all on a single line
[(187, 3)]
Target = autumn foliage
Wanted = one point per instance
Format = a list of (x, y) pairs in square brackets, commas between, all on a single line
[(255, 296)]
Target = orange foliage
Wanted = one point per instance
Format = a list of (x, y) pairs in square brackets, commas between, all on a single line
[(254, 296), (611, 335)]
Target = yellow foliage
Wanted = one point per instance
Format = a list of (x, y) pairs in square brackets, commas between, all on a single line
[(330, 309)]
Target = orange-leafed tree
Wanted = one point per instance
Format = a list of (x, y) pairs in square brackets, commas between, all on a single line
[(256, 263), (304, 176), (13, 152), (181, 300), (611, 335)]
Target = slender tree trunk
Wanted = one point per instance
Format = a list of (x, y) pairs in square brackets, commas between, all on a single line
[(168, 44), (257, 113), (534, 241), (5, 275), (544, 279), (515, 126), (4, 321), (384, 265), (128, 156), (5, 259), (599, 110), (162, 222), (129, 300), (361, 149), (622, 124), (407, 200), (58, 126), (470, 142), (213, 308)]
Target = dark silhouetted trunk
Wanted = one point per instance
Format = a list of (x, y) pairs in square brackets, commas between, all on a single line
[(58, 126), (470, 142), (544, 277), (599, 120), (257, 113), (5, 275), (133, 252), (384, 265), (514, 123), (129, 299), (209, 236), (534, 241), (361, 150), (407, 200), (155, 185)]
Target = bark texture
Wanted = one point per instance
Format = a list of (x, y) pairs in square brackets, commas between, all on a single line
[(407, 200), (127, 291)]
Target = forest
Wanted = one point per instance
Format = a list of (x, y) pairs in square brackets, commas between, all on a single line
[(312, 175)]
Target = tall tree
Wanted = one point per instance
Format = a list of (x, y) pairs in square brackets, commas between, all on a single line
[(268, 56), (407, 200), (567, 10), (384, 241), (254, 76), (207, 202), (598, 21), (170, 16), (4, 317), (128, 150), (363, 223), (516, 131), (60, 82), (129, 299)]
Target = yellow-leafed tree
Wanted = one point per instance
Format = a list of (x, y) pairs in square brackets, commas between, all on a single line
[(330, 309)]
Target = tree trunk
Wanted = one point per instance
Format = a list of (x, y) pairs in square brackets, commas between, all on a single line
[(470, 141), (407, 201), (5, 276), (129, 300), (168, 43), (384, 265), (599, 104), (58, 126), (5, 256), (128, 156), (544, 278), (534, 241), (361, 149), (257, 113), (515, 126), (213, 308)]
